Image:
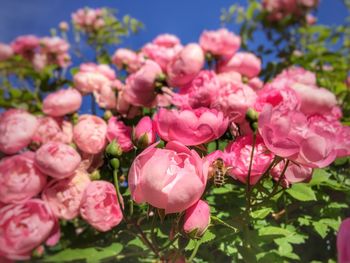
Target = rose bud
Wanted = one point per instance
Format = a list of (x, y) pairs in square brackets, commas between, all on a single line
[(119, 132), (100, 206), (16, 130), (26, 226), (5, 52), (20, 180), (144, 133), (57, 159), (62, 102), (343, 244), (197, 219), (90, 134)]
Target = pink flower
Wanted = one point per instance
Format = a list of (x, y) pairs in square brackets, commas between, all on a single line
[(144, 132), (105, 97), (102, 69), (87, 82), (16, 130), (25, 45), (238, 155), (88, 19), (255, 83), (125, 108), (128, 59), (298, 75), (197, 219), (228, 77), (63, 26), (56, 51), (100, 206), (185, 65), (343, 244), (220, 42), (62, 102), (50, 129), (140, 89), (244, 63), (118, 131), (5, 52), (57, 159), (343, 145), (234, 99), (20, 180), (190, 127), (173, 178), (64, 196), (24, 227), (200, 92), (90, 134), (295, 173)]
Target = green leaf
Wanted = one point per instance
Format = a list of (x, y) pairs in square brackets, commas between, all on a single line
[(302, 192), (321, 228), (261, 213), (319, 176), (15, 93), (273, 230), (208, 236)]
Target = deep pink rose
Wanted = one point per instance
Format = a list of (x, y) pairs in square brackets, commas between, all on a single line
[(16, 130), (190, 127), (220, 42), (197, 218), (64, 196), (57, 159), (173, 178), (6, 51), (62, 102), (125, 108), (100, 206), (23, 227), (343, 244), (119, 132), (139, 89), (244, 63), (185, 65), (25, 45), (20, 180), (295, 173), (343, 139), (144, 132), (128, 59), (238, 155), (90, 134)]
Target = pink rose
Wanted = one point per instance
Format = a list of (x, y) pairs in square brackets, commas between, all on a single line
[(90, 134), (16, 130), (20, 180), (56, 50), (144, 132), (244, 63), (343, 244), (64, 196), (5, 52), (128, 59), (125, 108), (298, 75), (57, 159), (343, 145), (255, 83), (166, 40), (24, 227), (234, 99), (102, 69), (105, 97), (200, 92), (197, 218), (172, 179), (295, 173), (220, 42), (119, 132), (185, 65), (228, 77), (25, 45), (62, 102), (190, 127), (139, 89), (87, 82), (88, 19), (238, 155), (100, 206)]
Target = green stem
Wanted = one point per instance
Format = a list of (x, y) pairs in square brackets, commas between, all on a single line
[(248, 186), (193, 255)]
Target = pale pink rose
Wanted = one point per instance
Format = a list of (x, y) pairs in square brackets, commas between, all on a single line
[(125, 108), (200, 92), (197, 218), (16, 130), (57, 159), (90, 134), (298, 75), (100, 206), (39, 61), (139, 89), (172, 179), (255, 83), (25, 46), (6, 51), (190, 127), (88, 19), (228, 77), (26, 226), (144, 132), (118, 131), (102, 69), (167, 40), (87, 82), (295, 173), (62, 102), (20, 180), (64, 196), (220, 42), (343, 244), (63, 26), (56, 49), (238, 155), (51, 129), (244, 63), (234, 99), (105, 97), (128, 59), (185, 65)]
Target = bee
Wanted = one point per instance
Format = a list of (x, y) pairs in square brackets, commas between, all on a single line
[(218, 172)]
